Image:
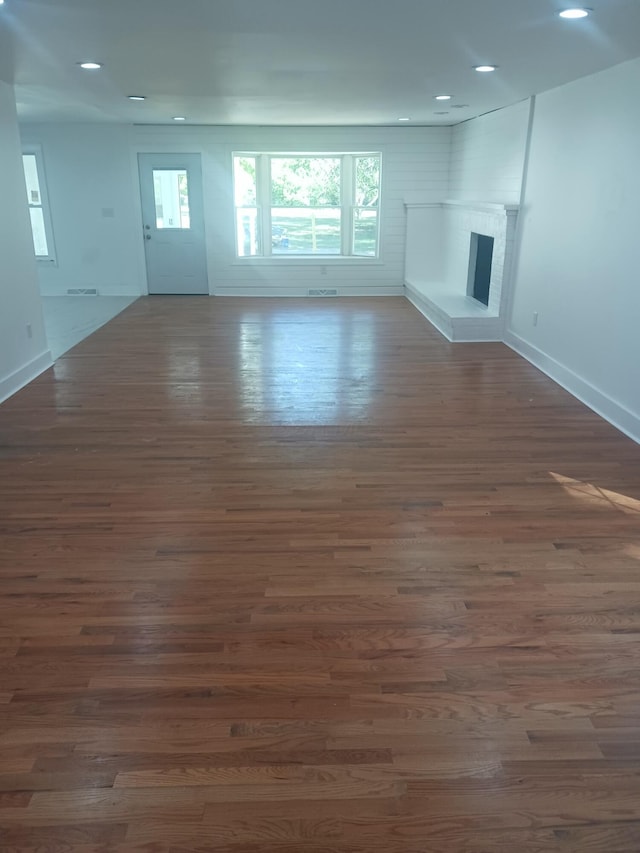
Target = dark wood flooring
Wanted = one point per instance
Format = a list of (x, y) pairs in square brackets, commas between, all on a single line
[(294, 575)]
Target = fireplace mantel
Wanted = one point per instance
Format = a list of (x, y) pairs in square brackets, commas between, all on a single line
[(484, 206)]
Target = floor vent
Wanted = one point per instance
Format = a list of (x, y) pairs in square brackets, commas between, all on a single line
[(82, 291), (322, 291)]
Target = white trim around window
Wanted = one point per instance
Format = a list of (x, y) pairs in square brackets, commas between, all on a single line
[(343, 223), (38, 201)]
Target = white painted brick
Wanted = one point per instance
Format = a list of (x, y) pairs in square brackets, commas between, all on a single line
[(487, 156)]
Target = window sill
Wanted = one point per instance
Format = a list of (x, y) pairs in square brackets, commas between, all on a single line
[(307, 260)]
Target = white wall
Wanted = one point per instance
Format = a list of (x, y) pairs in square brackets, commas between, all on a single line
[(487, 156), (486, 165), (579, 266), (21, 356), (90, 168), (6, 55), (96, 228)]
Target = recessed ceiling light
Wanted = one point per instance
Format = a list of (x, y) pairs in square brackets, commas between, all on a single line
[(459, 106), (90, 66), (137, 97), (573, 14), (484, 69), (442, 113), (443, 97), (405, 118), (179, 118)]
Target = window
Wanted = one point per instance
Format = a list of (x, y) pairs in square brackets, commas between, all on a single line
[(171, 196), (307, 205), (38, 205)]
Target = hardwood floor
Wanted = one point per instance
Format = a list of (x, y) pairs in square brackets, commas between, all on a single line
[(299, 575)]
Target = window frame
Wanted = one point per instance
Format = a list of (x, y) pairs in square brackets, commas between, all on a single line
[(264, 206), (36, 152)]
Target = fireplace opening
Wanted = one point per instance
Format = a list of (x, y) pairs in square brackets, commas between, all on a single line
[(480, 259)]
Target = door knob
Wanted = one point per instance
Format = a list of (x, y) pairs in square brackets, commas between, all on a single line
[(147, 236)]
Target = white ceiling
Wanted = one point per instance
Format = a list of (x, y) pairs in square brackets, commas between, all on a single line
[(302, 62)]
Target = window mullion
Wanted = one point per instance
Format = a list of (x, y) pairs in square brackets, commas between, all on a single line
[(347, 193), (264, 201)]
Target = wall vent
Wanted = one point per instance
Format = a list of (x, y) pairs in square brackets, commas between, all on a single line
[(322, 291), (82, 291)]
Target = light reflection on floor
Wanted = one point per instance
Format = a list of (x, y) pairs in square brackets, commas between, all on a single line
[(590, 493), (303, 371)]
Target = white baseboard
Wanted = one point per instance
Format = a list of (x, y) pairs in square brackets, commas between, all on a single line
[(49, 290), (21, 377), (288, 290), (616, 414)]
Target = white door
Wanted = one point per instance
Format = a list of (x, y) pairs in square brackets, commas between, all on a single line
[(173, 223)]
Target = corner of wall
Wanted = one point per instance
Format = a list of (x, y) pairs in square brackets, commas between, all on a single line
[(23, 344), (576, 230), (17, 380)]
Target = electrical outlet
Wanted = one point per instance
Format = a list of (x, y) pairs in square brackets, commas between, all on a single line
[(323, 270), (535, 318)]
